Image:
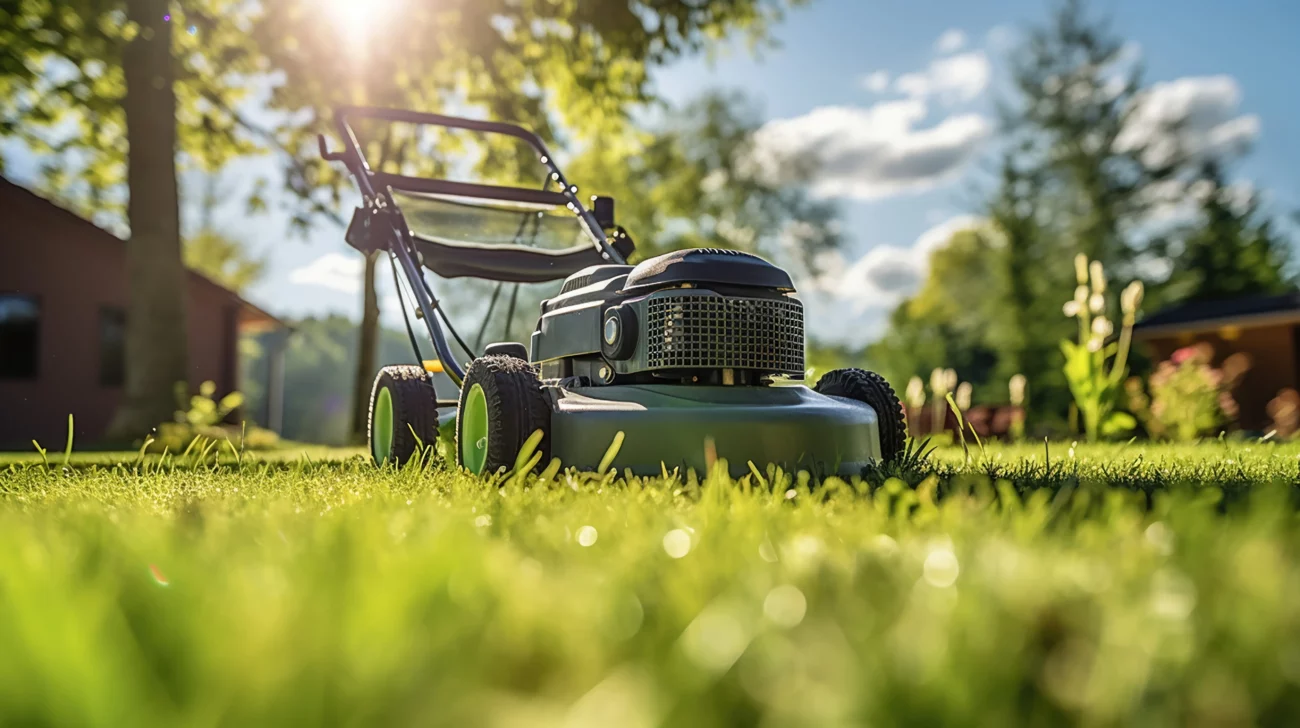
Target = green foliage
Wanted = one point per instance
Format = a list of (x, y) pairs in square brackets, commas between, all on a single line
[(1095, 366), (203, 410), (945, 324), (62, 86), (307, 592), (1073, 178), (222, 259), (1190, 397), (198, 426), (691, 181), (572, 71), (1230, 248)]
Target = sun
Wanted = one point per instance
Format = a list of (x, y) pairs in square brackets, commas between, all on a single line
[(355, 20)]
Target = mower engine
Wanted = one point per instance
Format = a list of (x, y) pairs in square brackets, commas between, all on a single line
[(686, 359), (700, 316)]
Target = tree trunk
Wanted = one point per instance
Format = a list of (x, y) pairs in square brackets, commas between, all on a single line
[(367, 352), (156, 357)]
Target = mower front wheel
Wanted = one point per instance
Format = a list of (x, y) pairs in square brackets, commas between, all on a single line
[(871, 389), (501, 405), (403, 414)]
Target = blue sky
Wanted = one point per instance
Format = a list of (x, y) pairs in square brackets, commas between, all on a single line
[(906, 90)]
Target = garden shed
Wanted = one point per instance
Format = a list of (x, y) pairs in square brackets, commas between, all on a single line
[(1264, 328)]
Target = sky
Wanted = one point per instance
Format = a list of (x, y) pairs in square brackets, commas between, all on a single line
[(900, 96)]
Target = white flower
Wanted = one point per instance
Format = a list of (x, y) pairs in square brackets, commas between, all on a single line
[(1098, 277), (1131, 298), (916, 392), (1071, 309), (1081, 269), (1096, 303), (1094, 343), (964, 396), (937, 383), (950, 379), (1017, 386), (1101, 326), (1081, 295)]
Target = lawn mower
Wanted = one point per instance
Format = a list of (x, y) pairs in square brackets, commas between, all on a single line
[(676, 362)]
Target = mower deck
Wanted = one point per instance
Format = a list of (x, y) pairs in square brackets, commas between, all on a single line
[(667, 425)]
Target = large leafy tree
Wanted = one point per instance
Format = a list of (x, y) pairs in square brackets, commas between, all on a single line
[(109, 92), (572, 70)]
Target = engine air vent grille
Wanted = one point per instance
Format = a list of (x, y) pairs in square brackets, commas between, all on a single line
[(718, 332)]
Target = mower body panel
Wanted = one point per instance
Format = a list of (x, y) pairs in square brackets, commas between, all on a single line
[(672, 425)]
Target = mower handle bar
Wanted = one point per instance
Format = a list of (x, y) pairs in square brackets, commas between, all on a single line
[(360, 168), (400, 244)]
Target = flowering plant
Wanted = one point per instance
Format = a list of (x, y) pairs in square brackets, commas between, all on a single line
[(1094, 366), (1189, 397)]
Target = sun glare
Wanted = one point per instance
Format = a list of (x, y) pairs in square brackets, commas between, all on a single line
[(356, 20)]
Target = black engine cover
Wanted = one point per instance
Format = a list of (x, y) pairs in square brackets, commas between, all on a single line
[(705, 266)]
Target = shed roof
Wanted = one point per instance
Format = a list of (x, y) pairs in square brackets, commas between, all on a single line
[(1242, 312)]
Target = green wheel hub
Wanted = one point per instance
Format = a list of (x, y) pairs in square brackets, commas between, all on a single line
[(474, 430), (381, 427)]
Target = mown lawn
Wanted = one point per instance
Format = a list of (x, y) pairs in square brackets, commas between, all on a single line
[(1116, 585)]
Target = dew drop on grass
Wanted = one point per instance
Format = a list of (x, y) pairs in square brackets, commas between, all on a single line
[(767, 551), (785, 606), (587, 536), (941, 568), (677, 543), (1160, 538)]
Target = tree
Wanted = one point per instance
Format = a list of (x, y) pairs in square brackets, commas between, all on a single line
[(1229, 249), (944, 325), (569, 70), (222, 259), (1072, 128), (135, 94)]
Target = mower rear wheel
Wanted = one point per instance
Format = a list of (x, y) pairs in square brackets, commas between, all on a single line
[(501, 405), (403, 414), (871, 389)]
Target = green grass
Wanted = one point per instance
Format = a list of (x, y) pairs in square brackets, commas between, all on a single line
[(1115, 586)]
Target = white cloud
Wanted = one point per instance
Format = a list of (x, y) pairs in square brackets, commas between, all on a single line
[(335, 271), (1205, 108), (871, 152), (887, 273), (1000, 38), (951, 41), (877, 82), (952, 79)]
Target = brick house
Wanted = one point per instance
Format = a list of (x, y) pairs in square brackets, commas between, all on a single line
[(62, 302)]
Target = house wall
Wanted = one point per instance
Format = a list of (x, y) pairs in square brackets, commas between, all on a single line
[(75, 269), (1274, 365)]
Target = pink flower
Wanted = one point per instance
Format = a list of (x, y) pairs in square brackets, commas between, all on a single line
[(1183, 354)]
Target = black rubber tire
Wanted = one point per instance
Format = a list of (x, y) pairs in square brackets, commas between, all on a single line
[(516, 406), (871, 389), (415, 412)]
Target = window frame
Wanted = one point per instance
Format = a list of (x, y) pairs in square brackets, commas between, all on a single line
[(37, 338)]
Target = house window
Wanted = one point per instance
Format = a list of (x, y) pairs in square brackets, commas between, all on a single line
[(112, 347), (20, 329)]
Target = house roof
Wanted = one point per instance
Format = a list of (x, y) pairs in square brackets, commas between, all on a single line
[(1242, 312), (252, 317)]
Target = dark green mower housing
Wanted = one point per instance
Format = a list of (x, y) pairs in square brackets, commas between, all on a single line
[(672, 364)]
